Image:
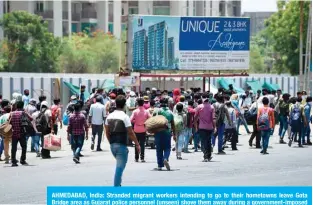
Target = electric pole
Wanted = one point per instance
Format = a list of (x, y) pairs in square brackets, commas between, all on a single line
[(301, 48)]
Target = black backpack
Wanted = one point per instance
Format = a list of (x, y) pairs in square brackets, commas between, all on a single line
[(41, 122), (219, 114), (27, 128), (112, 106)]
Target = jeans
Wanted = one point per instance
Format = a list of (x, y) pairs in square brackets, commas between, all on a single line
[(77, 144), (306, 133), (141, 137), (180, 142), (283, 126), (32, 146), (120, 153), (1, 145), (265, 135), (163, 146), (242, 120), (22, 141), (206, 146), (36, 140), (220, 135), (97, 130), (196, 140), (188, 134)]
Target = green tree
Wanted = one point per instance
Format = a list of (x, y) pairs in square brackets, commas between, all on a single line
[(256, 60), (28, 45), (98, 53), (282, 30)]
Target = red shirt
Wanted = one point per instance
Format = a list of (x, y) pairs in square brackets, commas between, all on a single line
[(192, 116)]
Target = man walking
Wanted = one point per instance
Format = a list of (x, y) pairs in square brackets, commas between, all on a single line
[(307, 129), (283, 108), (78, 129), (17, 136), (205, 113), (97, 116), (297, 120), (265, 123), (56, 114), (163, 138), (220, 113), (117, 128)]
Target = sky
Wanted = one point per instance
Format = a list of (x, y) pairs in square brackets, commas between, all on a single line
[(258, 5)]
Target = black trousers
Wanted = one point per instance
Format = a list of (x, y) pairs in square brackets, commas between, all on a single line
[(206, 142), (231, 134), (141, 137), (22, 141), (256, 134)]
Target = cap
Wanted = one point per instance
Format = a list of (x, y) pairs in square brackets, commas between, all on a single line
[(44, 103), (132, 94), (146, 98), (154, 89), (73, 97), (32, 100), (112, 95)]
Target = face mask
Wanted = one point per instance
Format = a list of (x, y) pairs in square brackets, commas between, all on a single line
[(304, 97), (310, 103), (74, 101)]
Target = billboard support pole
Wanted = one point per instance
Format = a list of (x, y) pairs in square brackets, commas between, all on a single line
[(203, 84), (209, 84)]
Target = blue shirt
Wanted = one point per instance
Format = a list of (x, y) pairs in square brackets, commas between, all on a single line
[(25, 100)]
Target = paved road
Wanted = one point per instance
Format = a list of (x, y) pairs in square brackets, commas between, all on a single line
[(284, 166)]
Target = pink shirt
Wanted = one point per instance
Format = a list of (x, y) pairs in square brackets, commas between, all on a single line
[(206, 114), (139, 117)]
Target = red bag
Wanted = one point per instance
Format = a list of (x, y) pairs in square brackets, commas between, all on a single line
[(52, 142)]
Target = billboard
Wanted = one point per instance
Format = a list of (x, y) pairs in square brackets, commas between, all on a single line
[(188, 43)]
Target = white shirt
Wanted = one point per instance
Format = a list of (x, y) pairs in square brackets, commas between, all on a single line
[(119, 115), (271, 98), (130, 103), (97, 113)]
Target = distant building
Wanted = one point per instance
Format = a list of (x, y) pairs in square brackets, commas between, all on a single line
[(257, 20), (140, 49), (157, 45), (89, 15)]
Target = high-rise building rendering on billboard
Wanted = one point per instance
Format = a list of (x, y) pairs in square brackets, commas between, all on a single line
[(171, 52), (140, 49), (157, 45), (152, 48)]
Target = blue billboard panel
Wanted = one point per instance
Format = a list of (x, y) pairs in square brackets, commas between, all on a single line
[(189, 43)]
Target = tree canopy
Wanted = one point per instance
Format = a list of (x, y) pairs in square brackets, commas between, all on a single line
[(28, 45), (283, 33)]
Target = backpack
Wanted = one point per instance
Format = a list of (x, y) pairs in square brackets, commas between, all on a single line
[(112, 106), (54, 113), (295, 114), (264, 120), (65, 118), (27, 128), (219, 114), (179, 122), (41, 122)]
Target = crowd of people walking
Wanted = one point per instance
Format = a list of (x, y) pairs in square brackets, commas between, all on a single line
[(194, 117)]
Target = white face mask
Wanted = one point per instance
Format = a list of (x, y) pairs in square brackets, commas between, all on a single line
[(310, 103), (304, 97)]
